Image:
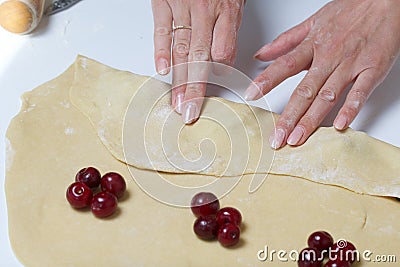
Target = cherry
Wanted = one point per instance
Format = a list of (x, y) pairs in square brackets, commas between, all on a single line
[(204, 204), (103, 204), (344, 251), (90, 176), (113, 183), (309, 257), (320, 240), (206, 228), (228, 234), (229, 215), (79, 195), (337, 263)]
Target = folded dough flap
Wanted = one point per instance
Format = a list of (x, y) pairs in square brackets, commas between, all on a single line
[(349, 159), (133, 118)]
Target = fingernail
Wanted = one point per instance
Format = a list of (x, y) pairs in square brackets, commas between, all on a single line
[(190, 114), (263, 49), (162, 66), (277, 138), (340, 122), (179, 100), (295, 136), (252, 93)]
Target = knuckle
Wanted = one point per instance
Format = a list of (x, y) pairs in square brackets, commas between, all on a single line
[(162, 31), (203, 5), (352, 108), (195, 89), (283, 125), (321, 70), (314, 71), (327, 94), (200, 54), (358, 95), (353, 51), (289, 61), (308, 122), (285, 36), (337, 45), (353, 105), (162, 52), (181, 49), (374, 60), (229, 5), (178, 88), (323, 40), (179, 82), (264, 82), (222, 55), (305, 91), (286, 121)]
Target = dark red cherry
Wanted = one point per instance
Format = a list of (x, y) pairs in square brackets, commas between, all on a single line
[(320, 240), (337, 263), (79, 195), (103, 204), (113, 183), (228, 234), (345, 251), (309, 257), (89, 176), (206, 228), (204, 204), (229, 215)]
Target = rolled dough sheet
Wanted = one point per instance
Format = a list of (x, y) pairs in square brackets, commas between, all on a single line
[(49, 140), (133, 118)]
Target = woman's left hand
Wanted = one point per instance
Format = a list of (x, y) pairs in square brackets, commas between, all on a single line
[(346, 41), (205, 30)]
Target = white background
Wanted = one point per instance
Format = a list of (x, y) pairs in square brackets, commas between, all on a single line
[(119, 33)]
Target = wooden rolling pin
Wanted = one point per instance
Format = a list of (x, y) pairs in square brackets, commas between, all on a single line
[(21, 16)]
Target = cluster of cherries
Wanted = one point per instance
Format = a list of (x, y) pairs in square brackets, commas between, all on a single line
[(81, 193), (321, 244), (213, 222)]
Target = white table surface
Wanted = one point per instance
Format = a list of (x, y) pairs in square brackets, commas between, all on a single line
[(119, 33)]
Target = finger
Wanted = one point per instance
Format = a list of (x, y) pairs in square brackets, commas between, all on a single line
[(325, 100), (162, 35), (285, 42), (224, 43), (364, 85), (179, 83), (282, 68), (298, 104), (180, 52), (198, 70)]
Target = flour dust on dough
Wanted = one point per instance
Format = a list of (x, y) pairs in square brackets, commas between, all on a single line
[(160, 141), (45, 231), (230, 139)]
